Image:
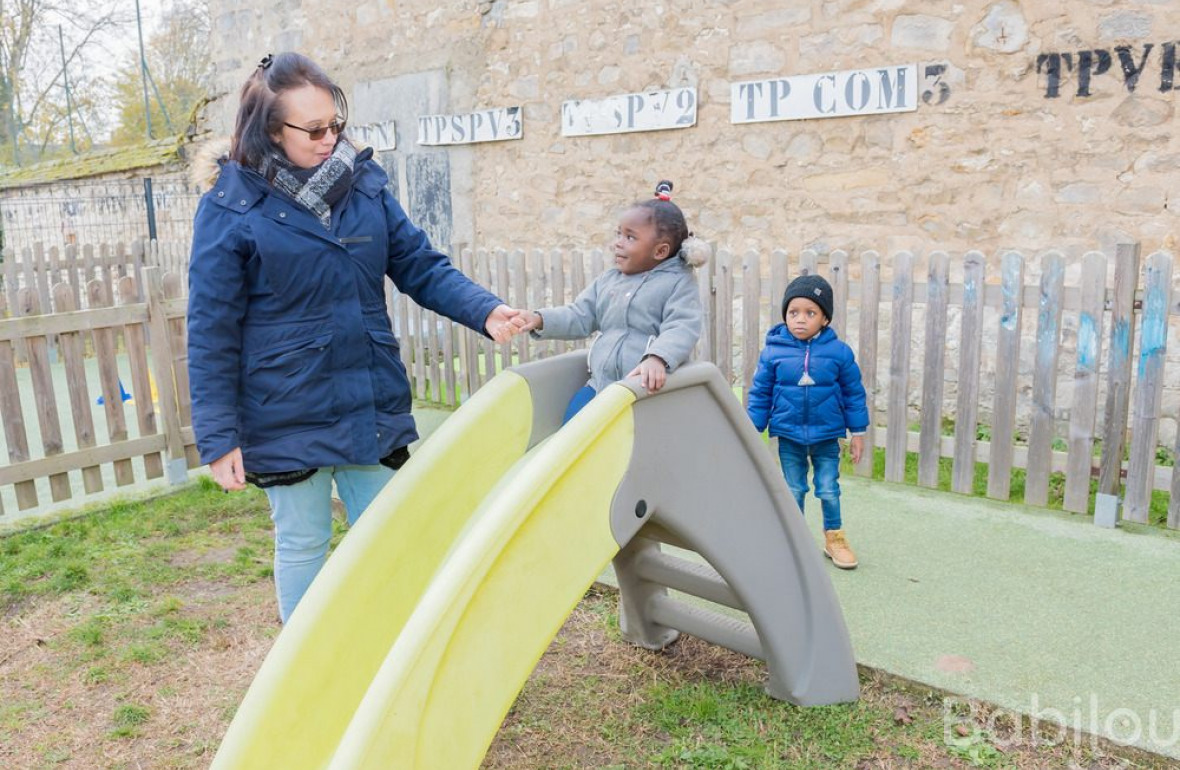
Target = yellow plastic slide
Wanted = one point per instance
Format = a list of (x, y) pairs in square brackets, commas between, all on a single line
[(504, 593), (412, 643), (323, 662)]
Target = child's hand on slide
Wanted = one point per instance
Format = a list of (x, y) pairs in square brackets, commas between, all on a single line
[(652, 372)]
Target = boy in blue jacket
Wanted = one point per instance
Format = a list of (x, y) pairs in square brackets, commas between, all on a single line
[(808, 389)]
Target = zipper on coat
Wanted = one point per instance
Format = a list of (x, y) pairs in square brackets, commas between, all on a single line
[(807, 396)]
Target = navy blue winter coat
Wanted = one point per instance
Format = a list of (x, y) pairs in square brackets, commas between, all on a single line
[(291, 353), (807, 414)]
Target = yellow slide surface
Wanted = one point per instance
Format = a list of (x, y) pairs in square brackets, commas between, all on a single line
[(324, 661), (503, 594)]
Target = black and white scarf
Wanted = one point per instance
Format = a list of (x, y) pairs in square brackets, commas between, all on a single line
[(318, 188)]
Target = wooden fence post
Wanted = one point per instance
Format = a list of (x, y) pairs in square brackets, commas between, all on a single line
[(74, 363), (141, 380), (1041, 433), (468, 351), (15, 435), (106, 353), (43, 395), (934, 368), (870, 308), (751, 315), (838, 266), (1119, 367), (724, 308), (807, 262), (557, 296), (999, 465), (1153, 345), (174, 284), (707, 347), (487, 348), (161, 346), (897, 429), (970, 345), (1082, 416), (516, 273), (534, 262)]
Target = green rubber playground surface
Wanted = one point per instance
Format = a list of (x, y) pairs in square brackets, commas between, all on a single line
[(1035, 611), (1040, 613)]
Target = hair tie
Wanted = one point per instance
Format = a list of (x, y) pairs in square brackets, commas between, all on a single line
[(664, 190), (266, 62)]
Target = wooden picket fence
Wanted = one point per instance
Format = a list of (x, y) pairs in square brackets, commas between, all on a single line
[(150, 333), (1116, 326), (1110, 424)]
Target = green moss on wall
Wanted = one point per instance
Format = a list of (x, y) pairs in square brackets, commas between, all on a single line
[(160, 152)]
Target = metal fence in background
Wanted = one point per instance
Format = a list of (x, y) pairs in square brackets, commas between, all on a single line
[(97, 211)]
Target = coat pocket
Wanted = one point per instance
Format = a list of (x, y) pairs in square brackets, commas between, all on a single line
[(288, 388), (391, 386)]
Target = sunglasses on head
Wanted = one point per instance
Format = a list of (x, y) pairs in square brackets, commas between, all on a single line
[(316, 134)]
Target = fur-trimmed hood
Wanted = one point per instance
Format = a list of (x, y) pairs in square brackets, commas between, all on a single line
[(206, 163)]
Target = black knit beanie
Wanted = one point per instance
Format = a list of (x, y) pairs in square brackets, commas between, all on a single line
[(814, 288)]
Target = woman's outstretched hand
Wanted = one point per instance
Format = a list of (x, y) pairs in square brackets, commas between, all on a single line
[(499, 324)]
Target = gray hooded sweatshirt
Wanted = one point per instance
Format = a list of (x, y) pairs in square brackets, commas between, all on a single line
[(656, 312)]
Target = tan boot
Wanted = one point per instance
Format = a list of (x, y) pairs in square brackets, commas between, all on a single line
[(836, 548)]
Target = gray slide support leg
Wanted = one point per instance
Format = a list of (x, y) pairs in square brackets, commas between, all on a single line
[(636, 597), (700, 472)]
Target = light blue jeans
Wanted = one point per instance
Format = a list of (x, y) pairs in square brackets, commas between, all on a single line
[(824, 457), (302, 514)]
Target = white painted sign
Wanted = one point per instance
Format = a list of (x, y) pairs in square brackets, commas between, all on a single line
[(487, 126), (625, 113), (828, 95), (379, 136)]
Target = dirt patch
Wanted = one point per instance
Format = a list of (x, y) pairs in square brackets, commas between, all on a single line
[(83, 688)]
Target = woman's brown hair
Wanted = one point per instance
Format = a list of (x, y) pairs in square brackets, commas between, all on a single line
[(259, 115)]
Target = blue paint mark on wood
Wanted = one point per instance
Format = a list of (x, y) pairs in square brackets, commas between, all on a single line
[(1120, 341), (1049, 310), (1010, 292), (1154, 339), (1087, 343)]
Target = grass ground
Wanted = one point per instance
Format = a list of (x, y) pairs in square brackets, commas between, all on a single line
[(131, 634)]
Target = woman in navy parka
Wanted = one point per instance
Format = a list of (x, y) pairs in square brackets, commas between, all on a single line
[(296, 377)]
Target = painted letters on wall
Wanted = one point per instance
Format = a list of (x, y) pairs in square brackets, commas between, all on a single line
[(1134, 62), (651, 111), (827, 95), (486, 126)]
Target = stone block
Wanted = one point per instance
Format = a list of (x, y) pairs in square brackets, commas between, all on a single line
[(758, 24), (1124, 25), (922, 32), (1003, 29), (759, 58), (1079, 193)]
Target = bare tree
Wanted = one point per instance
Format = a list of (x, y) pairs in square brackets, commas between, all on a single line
[(32, 98), (181, 68)]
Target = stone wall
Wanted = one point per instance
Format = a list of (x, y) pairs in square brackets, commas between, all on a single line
[(1039, 127)]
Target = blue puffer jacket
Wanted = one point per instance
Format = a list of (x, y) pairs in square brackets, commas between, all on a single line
[(807, 414), (291, 352)]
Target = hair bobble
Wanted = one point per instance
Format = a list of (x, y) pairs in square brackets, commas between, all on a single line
[(266, 62), (664, 190)]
